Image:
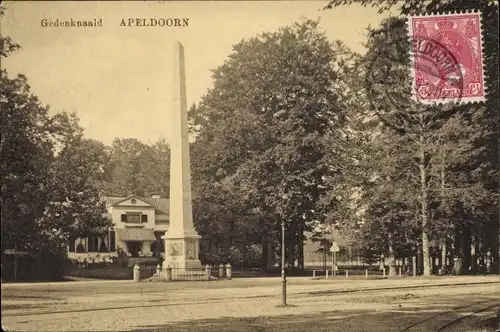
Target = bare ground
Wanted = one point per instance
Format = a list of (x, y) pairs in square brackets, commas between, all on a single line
[(250, 305)]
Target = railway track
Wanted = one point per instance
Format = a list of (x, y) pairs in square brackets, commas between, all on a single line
[(444, 321), (166, 302), (438, 322)]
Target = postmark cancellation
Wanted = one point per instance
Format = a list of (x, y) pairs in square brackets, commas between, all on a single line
[(447, 58)]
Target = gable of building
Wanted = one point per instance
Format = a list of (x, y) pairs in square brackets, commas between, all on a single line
[(161, 205)]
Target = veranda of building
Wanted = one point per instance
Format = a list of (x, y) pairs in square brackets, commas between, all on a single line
[(137, 226)]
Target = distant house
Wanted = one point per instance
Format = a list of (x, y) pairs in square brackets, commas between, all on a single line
[(137, 226)]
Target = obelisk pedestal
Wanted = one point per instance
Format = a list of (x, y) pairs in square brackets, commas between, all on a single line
[(182, 252), (182, 242)]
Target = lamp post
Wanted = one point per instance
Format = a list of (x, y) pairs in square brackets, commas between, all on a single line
[(283, 274), (334, 254), (283, 269)]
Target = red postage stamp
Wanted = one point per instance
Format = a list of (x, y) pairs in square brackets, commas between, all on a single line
[(447, 58)]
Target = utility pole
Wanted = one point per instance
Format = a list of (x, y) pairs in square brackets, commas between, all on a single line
[(283, 275), (325, 248), (334, 258)]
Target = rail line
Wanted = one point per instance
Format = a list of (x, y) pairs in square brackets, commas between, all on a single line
[(154, 303), (454, 310), (458, 320), (367, 290)]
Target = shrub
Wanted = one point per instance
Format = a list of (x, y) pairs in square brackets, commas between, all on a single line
[(122, 259)]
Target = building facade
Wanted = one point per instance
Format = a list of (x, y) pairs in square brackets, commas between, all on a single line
[(138, 223)]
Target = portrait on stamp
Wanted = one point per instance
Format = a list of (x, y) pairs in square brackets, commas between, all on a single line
[(447, 57)]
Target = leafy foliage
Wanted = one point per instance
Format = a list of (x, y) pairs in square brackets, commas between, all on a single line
[(47, 171), (442, 168), (264, 129), (26, 151), (137, 168)]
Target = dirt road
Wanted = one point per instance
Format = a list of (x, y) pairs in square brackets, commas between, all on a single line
[(251, 306)]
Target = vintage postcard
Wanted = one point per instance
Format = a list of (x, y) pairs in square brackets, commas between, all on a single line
[(230, 166)]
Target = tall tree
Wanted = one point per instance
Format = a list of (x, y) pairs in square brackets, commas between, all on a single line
[(467, 174), (26, 154), (46, 191), (26, 151), (346, 153), (75, 208), (138, 168), (265, 125)]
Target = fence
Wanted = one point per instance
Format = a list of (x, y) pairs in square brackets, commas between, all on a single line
[(207, 273), (356, 273)]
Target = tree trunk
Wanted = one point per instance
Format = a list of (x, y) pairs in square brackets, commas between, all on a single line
[(458, 243), (473, 255), (443, 256), (263, 262), (419, 261), (271, 255), (497, 243), (424, 210), (300, 248), (443, 265), (290, 255), (466, 246), (15, 262), (390, 258)]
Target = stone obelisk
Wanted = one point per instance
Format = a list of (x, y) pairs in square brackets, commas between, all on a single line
[(182, 242)]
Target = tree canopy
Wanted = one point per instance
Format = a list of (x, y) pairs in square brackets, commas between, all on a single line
[(47, 170), (265, 130), (296, 130), (444, 164)]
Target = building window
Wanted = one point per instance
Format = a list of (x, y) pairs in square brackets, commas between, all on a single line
[(133, 201), (135, 218), (144, 218), (132, 217)]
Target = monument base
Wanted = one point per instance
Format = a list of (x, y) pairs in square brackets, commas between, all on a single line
[(181, 251), (181, 275), (182, 264)]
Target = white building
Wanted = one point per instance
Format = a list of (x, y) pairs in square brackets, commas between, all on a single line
[(137, 226)]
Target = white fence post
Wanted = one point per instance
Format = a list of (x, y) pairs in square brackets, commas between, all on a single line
[(137, 273)]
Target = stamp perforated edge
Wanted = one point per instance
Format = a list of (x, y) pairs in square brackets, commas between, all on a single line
[(463, 100)]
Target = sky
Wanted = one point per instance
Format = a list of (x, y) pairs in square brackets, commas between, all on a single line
[(119, 80)]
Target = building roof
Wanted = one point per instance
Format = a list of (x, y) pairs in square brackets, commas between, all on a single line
[(161, 205)]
